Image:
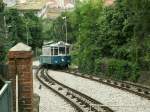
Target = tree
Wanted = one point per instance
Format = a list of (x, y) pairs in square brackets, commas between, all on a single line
[(19, 27), (2, 32), (140, 19), (25, 27)]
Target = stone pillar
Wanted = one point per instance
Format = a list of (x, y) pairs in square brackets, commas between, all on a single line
[(20, 63)]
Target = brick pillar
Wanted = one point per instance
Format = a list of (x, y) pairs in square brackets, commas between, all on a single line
[(20, 62)]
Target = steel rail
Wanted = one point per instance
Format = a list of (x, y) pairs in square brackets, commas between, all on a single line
[(84, 103), (62, 96), (137, 89), (83, 95)]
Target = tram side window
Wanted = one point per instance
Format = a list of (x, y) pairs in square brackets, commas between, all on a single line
[(52, 51), (67, 50), (61, 50), (56, 51)]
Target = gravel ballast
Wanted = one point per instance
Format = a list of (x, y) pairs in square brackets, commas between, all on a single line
[(49, 101), (118, 100)]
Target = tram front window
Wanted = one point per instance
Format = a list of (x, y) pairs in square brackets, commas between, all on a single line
[(61, 50)]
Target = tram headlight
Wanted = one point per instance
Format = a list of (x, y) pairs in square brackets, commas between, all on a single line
[(62, 60)]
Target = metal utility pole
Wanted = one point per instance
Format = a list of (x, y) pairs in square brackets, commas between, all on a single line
[(65, 18), (17, 98), (5, 25), (17, 93), (66, 29)]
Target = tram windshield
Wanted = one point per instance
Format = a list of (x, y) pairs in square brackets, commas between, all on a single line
[(61, 50), (56, 51)]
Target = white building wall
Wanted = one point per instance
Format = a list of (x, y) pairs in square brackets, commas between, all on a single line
[(60, 3), (43, 11), (21, 1), (10, 3)]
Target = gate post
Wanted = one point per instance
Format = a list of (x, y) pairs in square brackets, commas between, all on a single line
[(20, 64)]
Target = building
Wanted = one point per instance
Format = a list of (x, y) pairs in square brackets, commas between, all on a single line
[(61, 3), (58, 6), (37, 6), (109, 2), (9, 3)]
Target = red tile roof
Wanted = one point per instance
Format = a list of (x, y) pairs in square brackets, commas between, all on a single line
[(109, 2)]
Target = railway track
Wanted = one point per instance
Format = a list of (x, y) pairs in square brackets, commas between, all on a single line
[(137, 89), (80, 101)]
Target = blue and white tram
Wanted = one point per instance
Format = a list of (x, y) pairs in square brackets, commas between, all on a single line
[(56, 54)]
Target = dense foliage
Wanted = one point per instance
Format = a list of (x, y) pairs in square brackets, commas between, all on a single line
[(17, 27), (24, 27), (112, 39)]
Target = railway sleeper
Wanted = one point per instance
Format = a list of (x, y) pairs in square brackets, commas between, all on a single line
[(108, 81), (127, 86), (88, 102), (83, 76), (86, 105), (78, 100), (102, 109), (68, 93), (91, 77), (72, 96), (53, 83), (115, 83), (122, 85), (49, 82), (139, 89), (105, 109), (92, 108), (45, 78), (146, 92), (100, 80), (60, 88), (81, 102)]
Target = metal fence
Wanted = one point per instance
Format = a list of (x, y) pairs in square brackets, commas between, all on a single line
[(5, 90), (6, 97)]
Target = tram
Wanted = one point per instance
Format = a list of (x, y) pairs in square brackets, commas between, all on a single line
[(55, 54)]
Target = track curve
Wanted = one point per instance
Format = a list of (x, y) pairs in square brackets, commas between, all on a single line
[(80, 101), (137, 89)]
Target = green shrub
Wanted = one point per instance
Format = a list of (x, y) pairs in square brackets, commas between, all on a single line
[(119, 69)]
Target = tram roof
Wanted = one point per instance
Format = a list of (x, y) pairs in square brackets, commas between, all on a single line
[(57, 44)]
